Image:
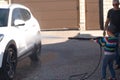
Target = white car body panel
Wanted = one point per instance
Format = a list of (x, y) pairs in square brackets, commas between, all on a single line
[(24, 36)]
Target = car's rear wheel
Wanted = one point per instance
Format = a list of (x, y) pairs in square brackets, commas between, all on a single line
[(9, 64), (35, 54)]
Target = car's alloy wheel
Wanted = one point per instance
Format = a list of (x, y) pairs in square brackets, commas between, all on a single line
[(9, 64)]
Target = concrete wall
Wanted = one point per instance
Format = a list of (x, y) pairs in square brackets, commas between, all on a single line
[(107, 5), (2, 2), (82, 14)]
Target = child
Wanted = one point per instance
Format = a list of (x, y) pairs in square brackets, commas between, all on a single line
[(109, 44)]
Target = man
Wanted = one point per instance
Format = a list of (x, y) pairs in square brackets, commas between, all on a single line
[(113, 24)]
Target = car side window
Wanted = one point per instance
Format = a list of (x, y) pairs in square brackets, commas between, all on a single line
[(16, 15), (4, 13), (25, 14)]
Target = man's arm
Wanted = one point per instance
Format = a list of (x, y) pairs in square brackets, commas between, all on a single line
[(106, 26)]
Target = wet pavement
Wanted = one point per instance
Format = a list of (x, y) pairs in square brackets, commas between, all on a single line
[(61, 58)]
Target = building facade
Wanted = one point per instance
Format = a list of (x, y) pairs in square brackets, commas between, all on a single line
[(67, 14)]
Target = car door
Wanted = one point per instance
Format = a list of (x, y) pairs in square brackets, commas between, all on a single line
[(31, 26), (21, 30)]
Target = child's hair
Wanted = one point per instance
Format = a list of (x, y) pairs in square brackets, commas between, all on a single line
[(110, 33)]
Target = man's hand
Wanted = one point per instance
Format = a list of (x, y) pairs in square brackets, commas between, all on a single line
[(104, 33)]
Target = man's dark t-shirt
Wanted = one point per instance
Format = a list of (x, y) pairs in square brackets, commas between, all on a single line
[(114, 16)]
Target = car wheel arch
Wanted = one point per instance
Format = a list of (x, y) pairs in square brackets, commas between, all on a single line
[(11, 44)]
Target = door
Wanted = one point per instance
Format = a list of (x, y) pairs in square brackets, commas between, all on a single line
[(23, 29), (31, 27), (92, 14), (19, 31), (54, 14)]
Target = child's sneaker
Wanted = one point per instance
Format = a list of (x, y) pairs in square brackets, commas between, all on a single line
[(117, 67)]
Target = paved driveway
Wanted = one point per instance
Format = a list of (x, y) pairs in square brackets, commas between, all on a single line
[(61, 58)]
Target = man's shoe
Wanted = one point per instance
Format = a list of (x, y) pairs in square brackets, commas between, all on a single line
[(112, 79), (117, 67)]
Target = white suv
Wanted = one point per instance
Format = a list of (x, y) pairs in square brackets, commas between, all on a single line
[(19, 37)]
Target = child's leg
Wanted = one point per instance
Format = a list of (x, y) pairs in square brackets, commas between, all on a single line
[(112, 71), (104, 66)]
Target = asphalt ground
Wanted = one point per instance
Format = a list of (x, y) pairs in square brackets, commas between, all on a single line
[(62, 58)]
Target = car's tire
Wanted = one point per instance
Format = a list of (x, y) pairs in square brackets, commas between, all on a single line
[(9, 64), (35, 53)]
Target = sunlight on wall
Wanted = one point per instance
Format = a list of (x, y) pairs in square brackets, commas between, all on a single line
[(107, 4), (2, 2), (82, 14)]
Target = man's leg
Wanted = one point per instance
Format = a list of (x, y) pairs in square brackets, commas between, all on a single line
[(117, 53)]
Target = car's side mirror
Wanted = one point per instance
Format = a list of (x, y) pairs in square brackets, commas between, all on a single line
[(18, 22)]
